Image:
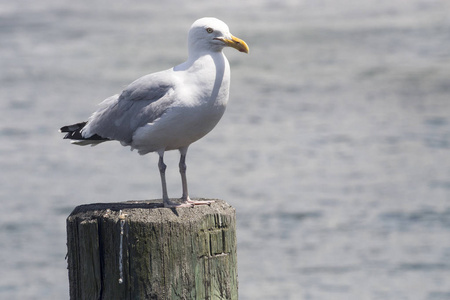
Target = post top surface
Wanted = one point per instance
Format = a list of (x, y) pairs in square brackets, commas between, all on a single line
[(143, 209)]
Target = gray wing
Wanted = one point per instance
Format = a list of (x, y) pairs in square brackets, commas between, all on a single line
[(142, 102)]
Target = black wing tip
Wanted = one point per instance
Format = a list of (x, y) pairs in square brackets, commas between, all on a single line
[(74, 133), (64, 129), (73, 127)]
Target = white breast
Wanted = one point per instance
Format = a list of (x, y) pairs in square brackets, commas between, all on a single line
[(200, 102)]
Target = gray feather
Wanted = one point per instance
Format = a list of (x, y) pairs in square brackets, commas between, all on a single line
[(142, 102)]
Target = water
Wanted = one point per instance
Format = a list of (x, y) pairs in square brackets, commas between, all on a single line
[(335, 148)]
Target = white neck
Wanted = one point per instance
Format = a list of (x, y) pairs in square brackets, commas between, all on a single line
[(212, 73)]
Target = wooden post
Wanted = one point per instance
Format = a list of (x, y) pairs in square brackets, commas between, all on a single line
[(139, 250)]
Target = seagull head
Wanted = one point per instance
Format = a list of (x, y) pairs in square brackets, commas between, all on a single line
[(211, 34)]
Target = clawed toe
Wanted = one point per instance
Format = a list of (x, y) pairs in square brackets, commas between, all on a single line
[(186, 203), (171, 204), (199, 202)]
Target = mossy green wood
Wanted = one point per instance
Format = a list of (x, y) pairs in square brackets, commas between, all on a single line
[(182, 253)]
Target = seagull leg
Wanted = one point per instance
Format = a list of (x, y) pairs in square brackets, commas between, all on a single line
[(185, 196), (182, 166), (162, 171)]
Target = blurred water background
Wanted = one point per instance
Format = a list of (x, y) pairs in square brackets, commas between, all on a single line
[(334, 150)]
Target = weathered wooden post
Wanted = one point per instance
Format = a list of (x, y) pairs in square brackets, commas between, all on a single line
[(139, 250)]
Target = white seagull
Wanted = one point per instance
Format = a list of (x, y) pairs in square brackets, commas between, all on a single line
[(170, 109)]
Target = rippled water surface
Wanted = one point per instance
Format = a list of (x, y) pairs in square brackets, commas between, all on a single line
[(334, 150)]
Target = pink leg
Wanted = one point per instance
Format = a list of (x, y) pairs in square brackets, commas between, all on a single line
[(185, 196)]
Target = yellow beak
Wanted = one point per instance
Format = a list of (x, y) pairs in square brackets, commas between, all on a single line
[(236, 43)]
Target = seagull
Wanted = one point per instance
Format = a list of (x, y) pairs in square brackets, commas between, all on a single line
[(171, 109)]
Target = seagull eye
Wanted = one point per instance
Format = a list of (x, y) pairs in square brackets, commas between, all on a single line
[(209, 30)]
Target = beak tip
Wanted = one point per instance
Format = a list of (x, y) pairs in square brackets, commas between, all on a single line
[(238, 44)]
